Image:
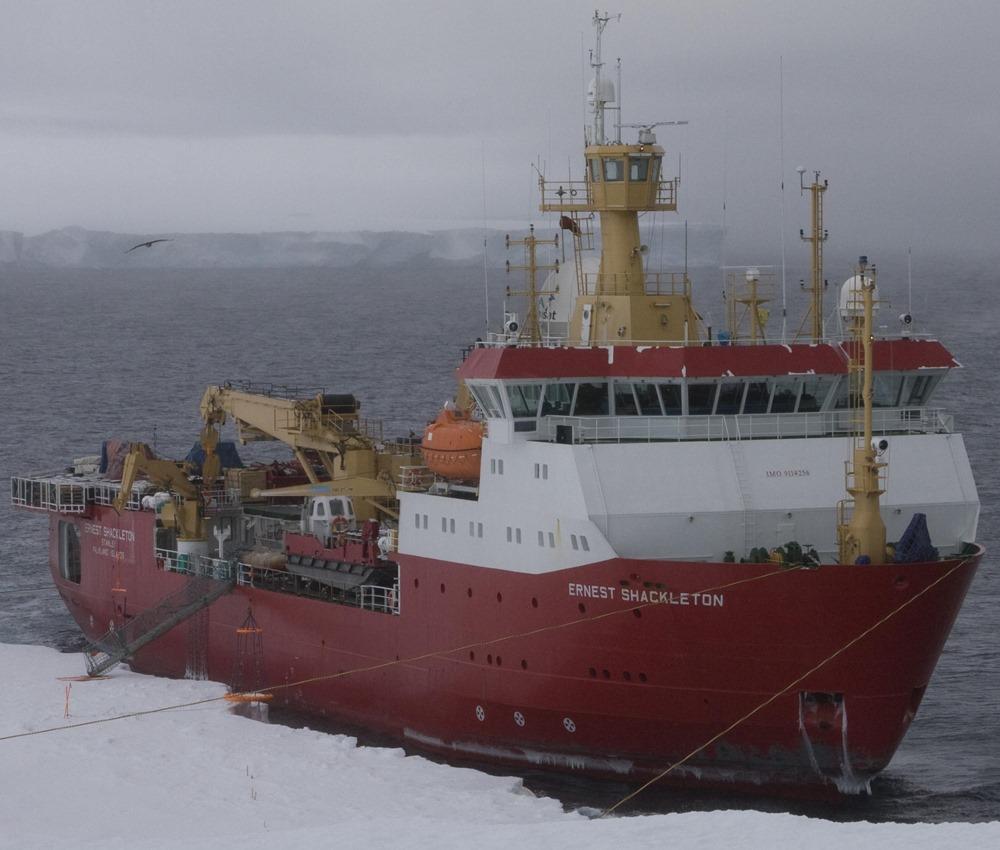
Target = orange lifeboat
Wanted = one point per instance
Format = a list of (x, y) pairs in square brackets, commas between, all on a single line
[(453, 445)]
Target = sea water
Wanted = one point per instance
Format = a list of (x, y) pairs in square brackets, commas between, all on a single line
[(86, 355)]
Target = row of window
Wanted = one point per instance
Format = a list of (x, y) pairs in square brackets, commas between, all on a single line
[(786, 394), (613, 169), (513, 533)]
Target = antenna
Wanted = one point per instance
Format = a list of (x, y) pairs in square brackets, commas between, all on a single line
[(909, 280), (486, 273), (600, 94), (781, 175)]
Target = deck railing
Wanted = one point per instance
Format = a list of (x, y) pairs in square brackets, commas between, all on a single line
[(756, 426)]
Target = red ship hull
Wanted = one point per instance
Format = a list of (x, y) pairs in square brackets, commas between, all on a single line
[(620, 668)]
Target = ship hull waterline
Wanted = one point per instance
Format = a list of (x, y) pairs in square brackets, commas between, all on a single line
[(617, 669)]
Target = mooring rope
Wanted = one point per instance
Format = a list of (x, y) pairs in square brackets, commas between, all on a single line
[(784, 690), (381, 665)]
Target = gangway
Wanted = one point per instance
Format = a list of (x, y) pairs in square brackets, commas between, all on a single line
[(119, 643)]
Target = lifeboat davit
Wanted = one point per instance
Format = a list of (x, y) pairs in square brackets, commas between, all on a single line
[(453, 445)]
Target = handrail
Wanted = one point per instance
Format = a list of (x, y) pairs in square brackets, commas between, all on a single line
[(752, 426)]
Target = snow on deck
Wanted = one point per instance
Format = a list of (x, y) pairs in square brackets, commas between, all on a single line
[(203, 777)]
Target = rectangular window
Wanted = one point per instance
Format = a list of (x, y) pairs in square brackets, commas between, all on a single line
[(730, 398), (552, 540), (919, 390), (479, 529), (814, 393), (786, 394), (524, 399), (425, 520), (545, 472), (625, 404), (493, 466), (500, 466), (885, 390), (497, 400), (701, 399), (758, 397), (416, 520), (451, 526), (638, 168), (538, 470), (472, 528), (444, 524), (649, 401), (69, 551), (584, 543), (591, 400), (486, 401), (557, 399), (595, 170), (541, 538), (614, 169), (572, 540), (671, 395), (510, 534), (517, 535)]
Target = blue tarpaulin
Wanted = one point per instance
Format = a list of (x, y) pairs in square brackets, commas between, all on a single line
[(226, 450)]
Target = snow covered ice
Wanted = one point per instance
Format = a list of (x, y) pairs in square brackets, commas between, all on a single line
[(203, 777)]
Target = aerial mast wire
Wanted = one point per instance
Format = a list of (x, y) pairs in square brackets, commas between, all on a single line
[(781, 174), (486, 237)]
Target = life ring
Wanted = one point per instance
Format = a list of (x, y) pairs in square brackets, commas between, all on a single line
[(340, 524)]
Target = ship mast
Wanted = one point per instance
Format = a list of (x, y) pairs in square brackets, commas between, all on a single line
[(862, 534), (622, 304), (532, 332), (818, 236)]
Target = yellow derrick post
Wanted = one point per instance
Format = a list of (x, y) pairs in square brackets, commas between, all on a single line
[(863, 533)]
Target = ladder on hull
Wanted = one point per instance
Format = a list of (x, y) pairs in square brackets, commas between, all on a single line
[(120, 643), (746, 496)]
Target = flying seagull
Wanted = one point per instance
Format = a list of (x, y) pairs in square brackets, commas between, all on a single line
[(148, 244)]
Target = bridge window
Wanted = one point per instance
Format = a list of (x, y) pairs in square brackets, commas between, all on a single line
[(672, 399), (758, 397), (786, 394), (638, 168), (920, 389), (625, 404), (557, 399), (595, 170), (614, 169), (886, 390), (701, 399), (730, 398), (814, 393), (591, 400), (524, 399), (649, 401), (656, 169)]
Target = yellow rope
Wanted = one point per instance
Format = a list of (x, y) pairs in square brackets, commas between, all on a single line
[(783, 691)]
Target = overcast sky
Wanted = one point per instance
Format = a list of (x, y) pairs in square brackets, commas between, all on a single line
[(151, 117)]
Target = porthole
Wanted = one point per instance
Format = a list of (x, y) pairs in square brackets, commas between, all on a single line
[(442, 587), (582, 607), (519, 718), (480, 713), (534, 602), (568, 724)]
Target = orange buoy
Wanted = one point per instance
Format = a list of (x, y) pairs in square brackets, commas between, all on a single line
[(453, 446)]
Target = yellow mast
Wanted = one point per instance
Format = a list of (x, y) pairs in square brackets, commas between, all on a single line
[(622, 304), (863, 533), (532, 333), (816, 238)]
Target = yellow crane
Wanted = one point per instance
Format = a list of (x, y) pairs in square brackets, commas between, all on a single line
[(351, 450)]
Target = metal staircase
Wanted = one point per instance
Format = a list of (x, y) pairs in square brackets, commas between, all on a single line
[(122, 642)]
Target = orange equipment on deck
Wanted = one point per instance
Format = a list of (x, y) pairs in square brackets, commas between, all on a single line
[(452, 446)]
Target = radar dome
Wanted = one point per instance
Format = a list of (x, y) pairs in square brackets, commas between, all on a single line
[(851, 304)]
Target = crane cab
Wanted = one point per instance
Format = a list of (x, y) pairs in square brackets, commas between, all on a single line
[(323, 516)]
